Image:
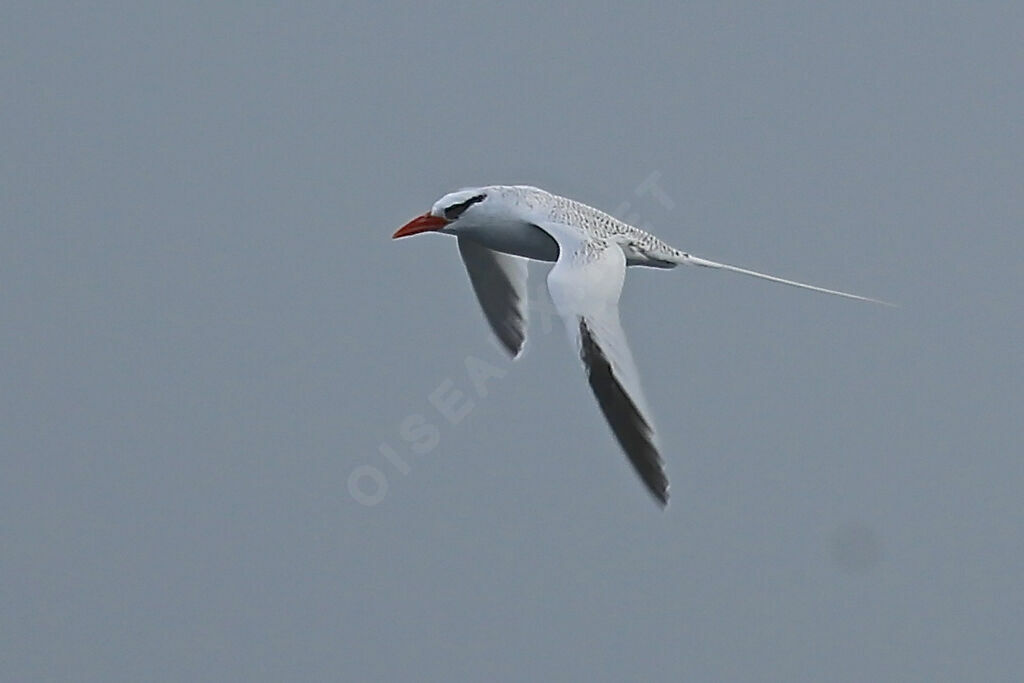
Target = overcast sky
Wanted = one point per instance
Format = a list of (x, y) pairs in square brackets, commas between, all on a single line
[(209, 341)]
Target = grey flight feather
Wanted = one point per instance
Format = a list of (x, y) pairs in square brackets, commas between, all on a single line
[(499, 281), (630, 426)]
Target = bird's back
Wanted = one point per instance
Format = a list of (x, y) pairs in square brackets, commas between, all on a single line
[(640, 247)]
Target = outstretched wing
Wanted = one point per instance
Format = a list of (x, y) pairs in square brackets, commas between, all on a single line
[(499, 281), (585, 284)]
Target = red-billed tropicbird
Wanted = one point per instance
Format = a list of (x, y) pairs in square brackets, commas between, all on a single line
[(499, 226)]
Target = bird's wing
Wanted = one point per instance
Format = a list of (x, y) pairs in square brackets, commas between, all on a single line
[(585, 284), (499, 281)]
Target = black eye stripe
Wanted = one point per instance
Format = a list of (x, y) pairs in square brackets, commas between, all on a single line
[(455, 210)]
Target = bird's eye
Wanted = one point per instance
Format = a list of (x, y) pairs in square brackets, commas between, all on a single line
[(455, 210)]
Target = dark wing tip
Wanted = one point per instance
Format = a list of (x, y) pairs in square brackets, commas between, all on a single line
[(630, 427), (511, 334)]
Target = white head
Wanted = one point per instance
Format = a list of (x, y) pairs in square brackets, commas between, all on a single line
[(466, 209)]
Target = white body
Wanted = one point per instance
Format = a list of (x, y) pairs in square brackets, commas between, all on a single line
[(509, 222)]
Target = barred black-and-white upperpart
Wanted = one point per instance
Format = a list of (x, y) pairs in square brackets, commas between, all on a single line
[(640, 246)]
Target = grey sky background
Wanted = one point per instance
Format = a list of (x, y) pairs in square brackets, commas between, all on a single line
[(205, 329)]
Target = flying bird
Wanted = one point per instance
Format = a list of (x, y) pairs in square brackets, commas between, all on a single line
[(499, 227)]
